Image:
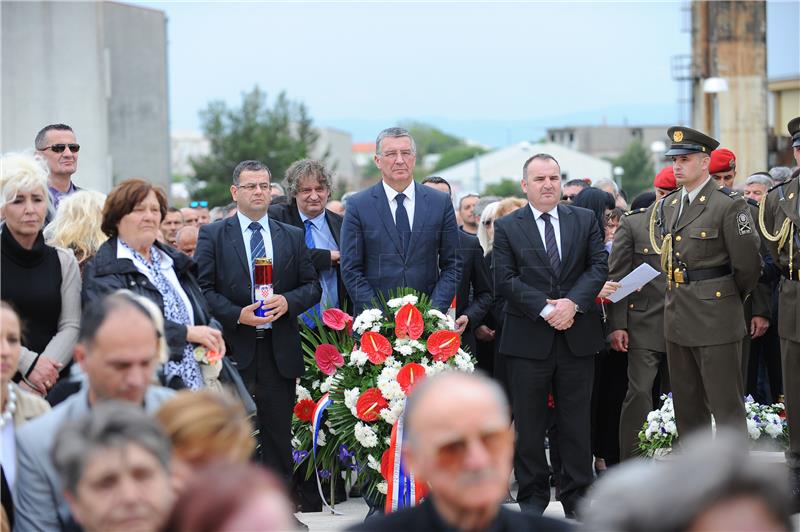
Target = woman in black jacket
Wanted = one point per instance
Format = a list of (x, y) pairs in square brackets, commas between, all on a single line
[(132, 259)]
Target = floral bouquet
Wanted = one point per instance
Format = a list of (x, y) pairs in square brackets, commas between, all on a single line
[(766, 426), (363, 369), (210, 363)]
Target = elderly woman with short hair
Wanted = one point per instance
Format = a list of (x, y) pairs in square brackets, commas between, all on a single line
[(41, 281), (132, 258)]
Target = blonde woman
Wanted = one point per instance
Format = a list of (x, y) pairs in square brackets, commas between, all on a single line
[(41, 281), (76, 225), (205, 427)]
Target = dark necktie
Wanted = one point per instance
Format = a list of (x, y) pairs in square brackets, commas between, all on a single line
[(256, 244), (683, 209), (550, 243), (308, 316), (401, 221)]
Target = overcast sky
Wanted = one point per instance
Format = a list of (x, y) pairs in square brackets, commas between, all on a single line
[(492, 72)]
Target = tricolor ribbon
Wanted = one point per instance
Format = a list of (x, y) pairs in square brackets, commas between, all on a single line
[(403, 490), (316, 424)]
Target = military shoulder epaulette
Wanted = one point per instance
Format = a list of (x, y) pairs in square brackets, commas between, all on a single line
[(636, 211), (780, 185), (729, 192), (671, 193), (751, 201)]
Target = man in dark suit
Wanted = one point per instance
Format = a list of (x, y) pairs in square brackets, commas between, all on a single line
[(266, 349), (399, 234), (474, 288), (309, 187), (550, 263), (460, 442)]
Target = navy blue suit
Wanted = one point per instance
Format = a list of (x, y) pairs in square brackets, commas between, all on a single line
[(373, 261)]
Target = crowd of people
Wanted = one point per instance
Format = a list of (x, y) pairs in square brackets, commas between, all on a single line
[(147, 383)]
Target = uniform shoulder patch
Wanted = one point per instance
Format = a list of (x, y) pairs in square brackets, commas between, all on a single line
[(744, 224), (636, 211), (730, 193)]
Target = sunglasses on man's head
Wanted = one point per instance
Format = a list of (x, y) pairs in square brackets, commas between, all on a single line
[(195, 204), (58, 148)]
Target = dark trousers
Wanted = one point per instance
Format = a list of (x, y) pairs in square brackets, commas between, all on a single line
[(610, 385), (790, 356), (643, 367), (570, 378), (274, 396), (706, 380), (765, 351)]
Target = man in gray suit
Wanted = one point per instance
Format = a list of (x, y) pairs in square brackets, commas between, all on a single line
[(118, 350)]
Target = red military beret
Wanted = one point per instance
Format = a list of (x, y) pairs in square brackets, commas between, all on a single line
[(722, 160), (665, 179)]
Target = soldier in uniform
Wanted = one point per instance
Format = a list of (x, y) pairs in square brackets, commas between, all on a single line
[(710, 256), (723, 167), (779, 220), (637, 322)]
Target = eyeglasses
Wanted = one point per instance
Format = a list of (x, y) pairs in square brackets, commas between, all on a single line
[(59, 148), (568, 197), (250, 187), (452, 454), (202, 203)]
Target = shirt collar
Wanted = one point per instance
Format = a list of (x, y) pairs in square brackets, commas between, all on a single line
[(537, 213), (244, 221), (694, 193), (391, 193), (318, 220)]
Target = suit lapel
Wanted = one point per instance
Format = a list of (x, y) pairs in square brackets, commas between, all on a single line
[(673, 203), (529, 228), (697, 207), (233, 233), (385, 214), (789, 201), (282, 256), (566, 223), (420, 214), (335, 225)]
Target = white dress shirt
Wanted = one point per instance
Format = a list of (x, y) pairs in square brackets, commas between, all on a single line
[(167, 270), (247, 233), (408, 203), (692, 195), (537, 215)]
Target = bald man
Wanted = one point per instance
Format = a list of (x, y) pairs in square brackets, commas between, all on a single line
[(460, 441), (186, 239)]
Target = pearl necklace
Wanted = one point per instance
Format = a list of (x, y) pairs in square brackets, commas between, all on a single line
[(11, 406)]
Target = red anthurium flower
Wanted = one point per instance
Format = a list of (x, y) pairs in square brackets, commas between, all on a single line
[(369, 404), (443, 344), (328, 358), (385, 472), (376, 346), (409, 375), (408, 322), (336, 319), (304, 410)]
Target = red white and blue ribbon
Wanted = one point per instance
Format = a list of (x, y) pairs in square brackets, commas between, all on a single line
[(403, 490), (316, 424)]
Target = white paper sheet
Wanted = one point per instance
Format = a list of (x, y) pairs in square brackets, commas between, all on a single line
[(634, 281)]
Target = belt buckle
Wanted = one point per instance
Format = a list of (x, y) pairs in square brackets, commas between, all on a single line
[(679, 278)]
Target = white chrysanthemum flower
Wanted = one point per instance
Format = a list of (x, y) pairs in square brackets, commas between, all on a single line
[(351, 398), (463, 362), (365, 435), (373, 463), (295, 443), (302, 393), (321, 438), (753, 430), (671, 428), (315, 385), (405, 350), (327, 384), (382, 486), (773, 429), (358, 358), (410, 298), (391, 414), (396, 302), (387, 440), (653, 416)]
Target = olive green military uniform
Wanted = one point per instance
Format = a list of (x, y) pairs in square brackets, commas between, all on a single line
[(641, 314), (712, 263), (781, 204)]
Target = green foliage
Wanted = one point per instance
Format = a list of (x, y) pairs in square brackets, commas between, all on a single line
[(456, 155), (638, 167), (276, 136), (505, 188), (430, 139)]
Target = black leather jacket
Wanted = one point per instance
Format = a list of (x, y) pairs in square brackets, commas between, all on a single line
[(105, 273)]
